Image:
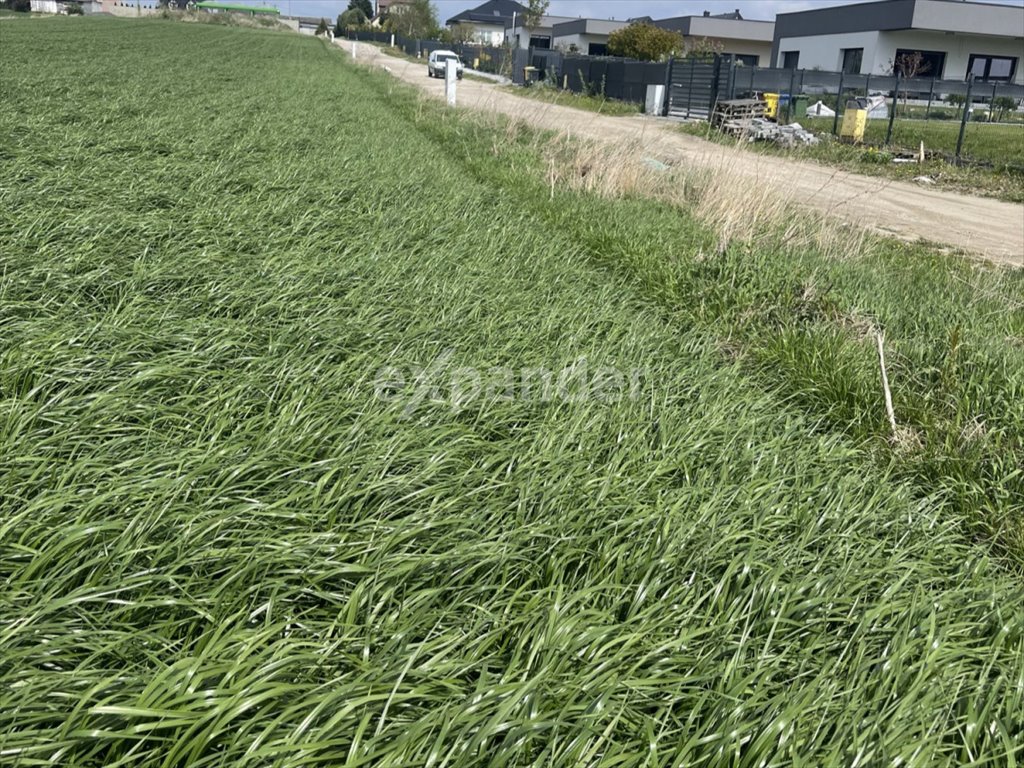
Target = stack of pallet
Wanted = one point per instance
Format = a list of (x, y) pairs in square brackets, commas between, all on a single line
[(736, 115)]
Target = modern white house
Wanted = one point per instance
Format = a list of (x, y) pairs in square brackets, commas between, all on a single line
[(587, 36), (954, 38), (539, 36), (490, 20), (750, 41)]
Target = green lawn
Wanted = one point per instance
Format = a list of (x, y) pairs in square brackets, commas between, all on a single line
[(269, 498), (988, 178), (987, 142)]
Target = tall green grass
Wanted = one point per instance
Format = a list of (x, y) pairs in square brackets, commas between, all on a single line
[(218, 547)]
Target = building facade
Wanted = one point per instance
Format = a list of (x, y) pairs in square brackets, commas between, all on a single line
[(748, 40), (490, 20), (587, 36), (539, 36), (946, 39)]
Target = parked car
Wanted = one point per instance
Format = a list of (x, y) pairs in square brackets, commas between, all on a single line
[(436, 63)]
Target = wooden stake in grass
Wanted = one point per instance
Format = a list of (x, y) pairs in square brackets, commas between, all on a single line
[(880, 337)]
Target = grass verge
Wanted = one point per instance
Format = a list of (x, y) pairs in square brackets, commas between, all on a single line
[(589, 102)]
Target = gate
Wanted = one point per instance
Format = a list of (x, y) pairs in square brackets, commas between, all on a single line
[(695, 84)]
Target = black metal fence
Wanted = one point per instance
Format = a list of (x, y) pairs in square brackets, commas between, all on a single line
[(902, 108), (612, 77)]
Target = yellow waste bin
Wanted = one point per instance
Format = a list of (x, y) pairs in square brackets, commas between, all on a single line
[(855, 120), (772, 100)]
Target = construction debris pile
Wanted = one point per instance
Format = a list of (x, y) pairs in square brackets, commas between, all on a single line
[(745, 118), (763, 129)]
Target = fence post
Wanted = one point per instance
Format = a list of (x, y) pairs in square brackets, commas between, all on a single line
[(931, 95), (992, 103), (892, 112), (839, 98), (689, 94), (667, 98), (793, 96), (963, 119)]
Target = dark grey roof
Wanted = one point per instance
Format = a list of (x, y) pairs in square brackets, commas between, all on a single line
[(491, 12)]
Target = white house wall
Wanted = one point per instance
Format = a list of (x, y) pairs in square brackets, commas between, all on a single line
[(488, 34), (958, 49), (763, 51), (582, 42), (825, 51)]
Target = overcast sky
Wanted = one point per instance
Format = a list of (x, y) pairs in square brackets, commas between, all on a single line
[(602, 9)]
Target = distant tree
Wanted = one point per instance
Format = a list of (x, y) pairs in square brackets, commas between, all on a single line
[(958, 100), (702, 48), (20, 6), (322, 28), (362, 5), (73, 9), (353, 18), (535, 11), (1003, 104), (645, 42), (461, 33), (416, 19), (908, 66)]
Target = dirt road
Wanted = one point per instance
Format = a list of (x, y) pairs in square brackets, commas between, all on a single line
[(990, 228)]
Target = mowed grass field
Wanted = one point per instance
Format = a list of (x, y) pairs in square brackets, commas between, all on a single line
[(222, 544)]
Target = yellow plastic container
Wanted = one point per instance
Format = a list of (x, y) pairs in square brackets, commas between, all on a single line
[(855, 120), (772, 100)]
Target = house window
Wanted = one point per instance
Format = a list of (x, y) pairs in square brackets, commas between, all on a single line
[(992, 69), (852, 59), (598, 49), (926, 63), (540, 41), (790, 59)]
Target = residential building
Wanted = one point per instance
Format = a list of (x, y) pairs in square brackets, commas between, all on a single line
[(589, 36), (748, 40), (88, 7), (538, 36), (383, 8), (490, 20), (949, 39)]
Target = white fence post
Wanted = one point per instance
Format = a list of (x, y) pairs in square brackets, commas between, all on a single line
[(450, 75)]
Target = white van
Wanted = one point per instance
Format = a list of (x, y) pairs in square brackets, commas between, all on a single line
[(436, 63)]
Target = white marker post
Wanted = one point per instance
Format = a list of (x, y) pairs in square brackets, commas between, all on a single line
[(450, 75), (355, 49)]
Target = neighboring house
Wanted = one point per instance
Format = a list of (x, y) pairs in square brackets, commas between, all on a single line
[(490, 20), (88, 7), (589, 36), (538, 36), (384, 7), (748, 40), (955, 39)]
